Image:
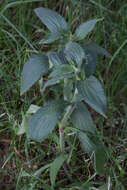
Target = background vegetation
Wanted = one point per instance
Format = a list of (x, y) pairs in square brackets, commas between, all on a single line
[(20, 33)]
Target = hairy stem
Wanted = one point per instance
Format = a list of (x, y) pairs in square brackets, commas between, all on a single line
[(62, 125), (61, 135)]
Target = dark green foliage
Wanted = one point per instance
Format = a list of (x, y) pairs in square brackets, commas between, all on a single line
[(71, 67), (36, 66), (45, 119), (92, 93)]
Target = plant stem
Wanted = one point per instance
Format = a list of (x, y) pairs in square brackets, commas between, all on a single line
[(62, 125), (61, 134)]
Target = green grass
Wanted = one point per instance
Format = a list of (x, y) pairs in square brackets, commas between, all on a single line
[(21, 159)]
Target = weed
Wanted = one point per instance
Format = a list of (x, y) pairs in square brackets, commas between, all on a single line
[(27, 157), (70, 69)]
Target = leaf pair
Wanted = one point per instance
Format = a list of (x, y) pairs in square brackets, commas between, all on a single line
[(46, 118), (57, 25), (73, 52), (38, 64), (54, 22)]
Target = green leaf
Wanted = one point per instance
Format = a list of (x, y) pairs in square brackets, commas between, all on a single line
[(82, 31), (57, 58), (32, 109), (24, 125), (51, 82), (92, 144), (100, 159), (36, 66), (55, 166), (40, 170), (54, 22), (75, 52), (93, 94), (54, 58), (87, 143), (62, 57), (94, 48), (81, 118), (89, 65), (62, 71), (45, 119), (52, 37)]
